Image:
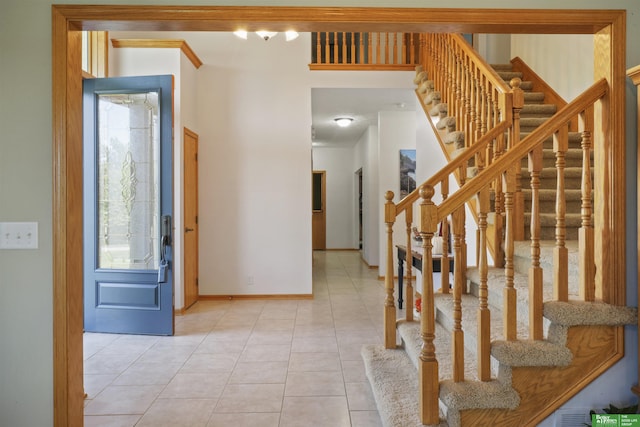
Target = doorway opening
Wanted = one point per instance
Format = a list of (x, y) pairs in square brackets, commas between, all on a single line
[(607, 25)]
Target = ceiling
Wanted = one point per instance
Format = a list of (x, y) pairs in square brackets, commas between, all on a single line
[(362, 105)]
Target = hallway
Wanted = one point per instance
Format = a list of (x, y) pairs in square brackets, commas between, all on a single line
[(272, 363)]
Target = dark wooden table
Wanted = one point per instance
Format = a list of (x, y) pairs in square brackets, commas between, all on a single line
[(416, 261)]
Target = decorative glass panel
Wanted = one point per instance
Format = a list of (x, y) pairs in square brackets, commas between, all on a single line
[(128, 181)]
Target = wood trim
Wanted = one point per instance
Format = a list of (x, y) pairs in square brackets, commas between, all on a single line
[(362, 67), (634, 75), (67, 114), (595, 349), (160, 43), (255, 297)]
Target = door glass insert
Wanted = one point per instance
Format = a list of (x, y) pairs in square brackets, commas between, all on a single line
[(128, 202)]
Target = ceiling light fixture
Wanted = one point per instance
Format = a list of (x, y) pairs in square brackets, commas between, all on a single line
[(267, 35), (343, 122)]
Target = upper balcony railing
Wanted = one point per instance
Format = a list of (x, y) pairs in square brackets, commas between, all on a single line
[(364, 51)]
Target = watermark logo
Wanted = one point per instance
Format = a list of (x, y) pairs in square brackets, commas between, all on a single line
[(615, 420)]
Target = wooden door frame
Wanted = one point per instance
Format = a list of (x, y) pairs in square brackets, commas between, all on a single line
[(609, 27), (323, 196), (188, 132)]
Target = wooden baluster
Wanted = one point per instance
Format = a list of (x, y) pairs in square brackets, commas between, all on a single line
[(408, 215), (370, 49), (482, 120), (389, 304), (343, 59), (378, 48), (484, 314), (585, 234), (336, 48), (498, 223), (510, 297), (535, 271), (319, 48), (457, 95), (327, 48), (473, 118), (428, 379), (352, 47), (394, 49), (560, 252), (467, 102), (458, 285), (518, 103), (444, 228)]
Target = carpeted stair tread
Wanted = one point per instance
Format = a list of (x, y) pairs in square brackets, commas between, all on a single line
[(530, 353), (446, 123), (533, 97), (456, 137), (579, 313), (394, 382), (409, 333), (470, 304), (457, 396), (538, 110), (507, 75)]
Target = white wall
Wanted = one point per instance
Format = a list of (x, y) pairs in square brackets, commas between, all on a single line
[(341, 193), (563, 61), (494, 48), (366, 157), (396, 131), (26, 305), (255, 167)]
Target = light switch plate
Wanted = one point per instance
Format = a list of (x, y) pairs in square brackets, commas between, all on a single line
[(18, 235)]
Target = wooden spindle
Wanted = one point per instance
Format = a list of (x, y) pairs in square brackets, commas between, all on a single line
[(509, 300), (498, 222), (585, 234), (370, 48), (444, 228), (560, 252), (408, 215), (428, 379), (514, 139), (458, 285), (361, 51), (484, 314), (353, 45), (343, 59), (319, 48), (327, 48), (389, 304), (535, 271)]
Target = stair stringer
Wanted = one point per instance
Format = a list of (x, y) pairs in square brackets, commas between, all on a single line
[(543, 390)]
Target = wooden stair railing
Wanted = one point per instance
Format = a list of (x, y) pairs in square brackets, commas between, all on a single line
[(364, 51), (451, 208), (473, 98)]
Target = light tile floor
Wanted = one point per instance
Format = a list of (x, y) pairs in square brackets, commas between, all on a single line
[(280, 363)]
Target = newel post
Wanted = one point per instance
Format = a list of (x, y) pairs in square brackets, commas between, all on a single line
[(389, 304), (429, 384)]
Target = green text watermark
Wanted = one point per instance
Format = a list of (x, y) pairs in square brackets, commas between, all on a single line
[(615, 420)]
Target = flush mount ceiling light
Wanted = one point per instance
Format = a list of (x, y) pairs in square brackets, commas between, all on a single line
[(267, 35), (343, 122)]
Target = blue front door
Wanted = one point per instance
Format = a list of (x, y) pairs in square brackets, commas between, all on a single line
[(128, 205)]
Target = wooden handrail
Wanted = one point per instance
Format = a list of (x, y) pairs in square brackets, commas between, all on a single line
[(453, 166), (514, 155)]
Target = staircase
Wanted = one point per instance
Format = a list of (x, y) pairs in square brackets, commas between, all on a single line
[(507, 346)]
